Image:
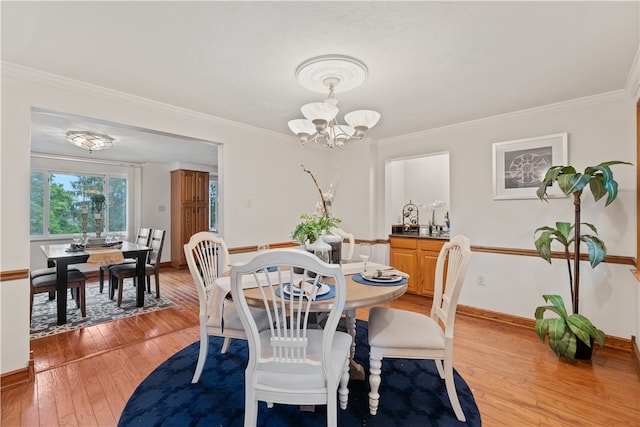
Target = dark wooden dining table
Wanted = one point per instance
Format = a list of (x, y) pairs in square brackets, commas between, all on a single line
[(61, 256)]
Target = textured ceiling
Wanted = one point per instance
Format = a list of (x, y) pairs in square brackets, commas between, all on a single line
[(431, 64)]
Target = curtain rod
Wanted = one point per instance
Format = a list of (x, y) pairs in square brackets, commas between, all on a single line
[(85, 160)]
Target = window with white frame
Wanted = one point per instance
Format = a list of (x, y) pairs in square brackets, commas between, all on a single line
[(58, 200)]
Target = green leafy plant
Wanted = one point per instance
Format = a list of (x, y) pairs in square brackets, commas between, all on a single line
[(312, 226), (564, 330), (97, 200)]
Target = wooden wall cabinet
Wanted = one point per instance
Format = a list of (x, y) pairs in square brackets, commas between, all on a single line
[(418, 258), (189, 210)]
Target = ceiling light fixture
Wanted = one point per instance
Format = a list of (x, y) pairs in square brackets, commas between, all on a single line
[(89, 140), (320, 125)]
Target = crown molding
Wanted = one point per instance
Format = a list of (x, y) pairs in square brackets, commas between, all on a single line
[(39, 76), (633, 79), (559, 106)]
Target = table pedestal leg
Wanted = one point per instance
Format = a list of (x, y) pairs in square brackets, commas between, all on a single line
[(356, 371)]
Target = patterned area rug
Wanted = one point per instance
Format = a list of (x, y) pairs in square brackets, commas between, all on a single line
[(100, 309), (412, 394)]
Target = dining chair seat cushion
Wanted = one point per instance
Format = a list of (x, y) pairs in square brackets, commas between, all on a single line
[(50, 270), (51, 279), (301, 377), (130, 268), (125, 261), (388, 329), (232, 318)]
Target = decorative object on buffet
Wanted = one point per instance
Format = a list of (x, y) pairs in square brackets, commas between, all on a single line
[(89, 140), (98, 200), (410, 217), (310, 230), (320, 124), (572, 336), (433, 228)]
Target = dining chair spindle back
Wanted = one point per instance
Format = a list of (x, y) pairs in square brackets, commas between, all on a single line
[(208, 258), (395, 333), (293, 361)]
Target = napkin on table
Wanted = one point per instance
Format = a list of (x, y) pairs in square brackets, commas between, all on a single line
[(390, 272)]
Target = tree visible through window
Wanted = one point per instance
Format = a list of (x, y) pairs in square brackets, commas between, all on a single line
[(68, 194)]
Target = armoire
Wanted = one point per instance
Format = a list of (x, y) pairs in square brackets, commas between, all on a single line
[(189, 210)]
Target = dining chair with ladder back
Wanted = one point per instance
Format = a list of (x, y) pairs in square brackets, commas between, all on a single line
[(45, 280), (208, 258), (395, 333), (293, 362), (152, 268), (142, 238)]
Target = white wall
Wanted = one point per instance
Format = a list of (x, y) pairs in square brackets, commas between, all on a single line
[(263, 192), (255, 164), (599, 130)]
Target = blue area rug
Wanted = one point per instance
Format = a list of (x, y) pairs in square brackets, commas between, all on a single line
[(412, 394)]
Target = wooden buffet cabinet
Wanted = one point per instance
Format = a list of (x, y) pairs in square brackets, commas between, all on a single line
[(416, 256), (189, 210)]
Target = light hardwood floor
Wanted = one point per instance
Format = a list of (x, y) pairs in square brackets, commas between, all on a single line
[(85, 377)]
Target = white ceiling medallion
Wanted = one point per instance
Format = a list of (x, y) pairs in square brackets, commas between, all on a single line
[(331, 73)]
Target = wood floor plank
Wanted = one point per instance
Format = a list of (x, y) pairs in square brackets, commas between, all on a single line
[(64, 398), (516, 379), (12, 411), (84, 410), (47, 411), (101, 409)]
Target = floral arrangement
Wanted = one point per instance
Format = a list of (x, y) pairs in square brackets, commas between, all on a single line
[(312, 226), (432, 207), (98, 200)]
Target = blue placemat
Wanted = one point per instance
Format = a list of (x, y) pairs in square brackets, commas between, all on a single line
[(328, 295), (359, 279)]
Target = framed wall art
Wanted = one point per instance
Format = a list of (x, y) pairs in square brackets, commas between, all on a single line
[(519, 166)]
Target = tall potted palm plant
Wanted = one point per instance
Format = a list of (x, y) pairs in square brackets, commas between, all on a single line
[(572, 335)]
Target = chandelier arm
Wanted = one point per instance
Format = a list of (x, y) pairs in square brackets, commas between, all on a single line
[(327, 72)]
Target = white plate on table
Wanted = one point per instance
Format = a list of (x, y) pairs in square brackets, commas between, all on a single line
[(323, 288), (392, 278)]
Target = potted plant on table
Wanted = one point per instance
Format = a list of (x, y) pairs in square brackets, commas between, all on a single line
[(98, 200), (312, 227), (310, 230), (572, 336)]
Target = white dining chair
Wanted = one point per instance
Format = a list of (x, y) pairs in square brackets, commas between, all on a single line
[(350, 244), (395, 333), (207, 257), (291, 362)]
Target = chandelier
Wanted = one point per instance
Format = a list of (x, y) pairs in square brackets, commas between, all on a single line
[(89, 140), (320, 125)]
